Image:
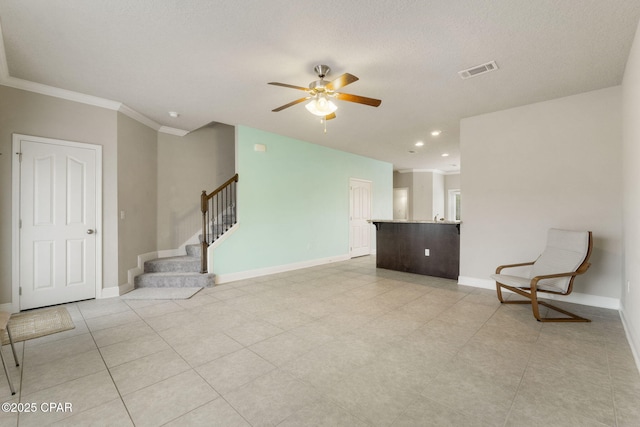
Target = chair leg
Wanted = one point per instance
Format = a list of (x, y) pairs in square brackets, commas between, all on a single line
[(499, 291), (572, 316), (13, 349), (6, 371), (535, 305)]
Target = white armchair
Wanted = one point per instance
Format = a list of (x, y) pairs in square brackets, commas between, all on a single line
[(565, 257)]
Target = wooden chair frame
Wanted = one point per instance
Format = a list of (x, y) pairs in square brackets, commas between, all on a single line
[(532, 291)]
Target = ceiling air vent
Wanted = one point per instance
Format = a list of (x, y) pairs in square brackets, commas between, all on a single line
[(478, 69)]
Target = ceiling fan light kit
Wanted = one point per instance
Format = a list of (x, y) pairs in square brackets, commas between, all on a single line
[(321, 106), (321, 92)]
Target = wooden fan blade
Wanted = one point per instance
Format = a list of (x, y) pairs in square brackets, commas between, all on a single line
[(330, 116), (359, 99), (297, 101), (306, 89), (341, 81)]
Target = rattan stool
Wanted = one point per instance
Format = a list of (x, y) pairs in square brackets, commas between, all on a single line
[(4, 326)]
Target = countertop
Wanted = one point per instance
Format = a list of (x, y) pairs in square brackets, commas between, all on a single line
[(402, 221)]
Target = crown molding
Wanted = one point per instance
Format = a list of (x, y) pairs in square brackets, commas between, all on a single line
[(420, 170), (7, 80), (60, 93), (129, 112), (173, 131), (4, 67), (438, 171)]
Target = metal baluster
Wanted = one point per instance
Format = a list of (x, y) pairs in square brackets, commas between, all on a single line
[(226, 208)]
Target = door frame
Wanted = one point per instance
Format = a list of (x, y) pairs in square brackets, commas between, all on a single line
[(406, 205), (15, 209)]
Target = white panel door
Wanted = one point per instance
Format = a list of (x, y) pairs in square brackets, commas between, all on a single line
[(360, 214), (58, 223), (400, 203)]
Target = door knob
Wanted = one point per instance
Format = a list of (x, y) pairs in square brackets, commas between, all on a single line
[(90, 231)]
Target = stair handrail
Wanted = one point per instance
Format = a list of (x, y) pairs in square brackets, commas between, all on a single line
[(226, 190)]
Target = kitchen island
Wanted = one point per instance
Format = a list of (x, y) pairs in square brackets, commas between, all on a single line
[(431, 248)]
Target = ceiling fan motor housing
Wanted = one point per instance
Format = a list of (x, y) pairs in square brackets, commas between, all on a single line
[(321, 70)]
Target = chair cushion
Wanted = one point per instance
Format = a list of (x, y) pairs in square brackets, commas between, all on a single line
[(564, 253)]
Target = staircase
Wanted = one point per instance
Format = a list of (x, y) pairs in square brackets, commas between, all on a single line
[(219, 215), (175, 272)]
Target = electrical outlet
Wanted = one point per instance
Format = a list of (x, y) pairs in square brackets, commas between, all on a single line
[(426, 252)]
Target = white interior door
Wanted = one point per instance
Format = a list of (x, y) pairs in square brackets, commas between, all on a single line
[(58, 221), (360, 214), (400, 203)]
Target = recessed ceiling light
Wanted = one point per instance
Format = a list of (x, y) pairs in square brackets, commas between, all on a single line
[(445, 154), (174, 114), (419, 144), (436, 132)]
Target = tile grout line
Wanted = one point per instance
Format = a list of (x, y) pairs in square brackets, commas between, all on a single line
[(108, 370)]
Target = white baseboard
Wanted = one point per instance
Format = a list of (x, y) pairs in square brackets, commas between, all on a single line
[(111, 292), (232, 277), (632, 337), (574, 297), (136, 271), (8, 307), (166, 253), (182, 249)]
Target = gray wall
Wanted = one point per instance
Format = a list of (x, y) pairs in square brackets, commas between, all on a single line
[(201, 160), (40, 115), (427, 194), (550, 164), (631, 191), (422, 196), (137, 192)]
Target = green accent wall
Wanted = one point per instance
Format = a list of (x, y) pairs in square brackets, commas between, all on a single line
[(293, 202)]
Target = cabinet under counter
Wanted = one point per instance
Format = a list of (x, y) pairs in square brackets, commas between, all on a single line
[(404, 245)]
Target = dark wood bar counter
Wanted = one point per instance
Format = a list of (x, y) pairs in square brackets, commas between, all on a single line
[(401, 246)]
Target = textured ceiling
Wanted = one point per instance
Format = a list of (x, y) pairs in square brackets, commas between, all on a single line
[(211, 61)]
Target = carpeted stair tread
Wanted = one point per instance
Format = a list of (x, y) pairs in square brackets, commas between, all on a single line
[(173, 279), (183, 264), (193, 250)]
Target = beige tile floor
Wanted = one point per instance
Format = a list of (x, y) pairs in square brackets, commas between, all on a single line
[(338, 345)]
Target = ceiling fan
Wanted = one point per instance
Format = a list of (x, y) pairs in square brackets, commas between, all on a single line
[(321, 93)]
